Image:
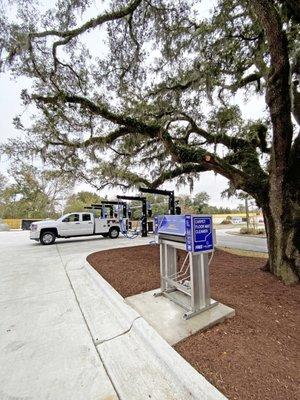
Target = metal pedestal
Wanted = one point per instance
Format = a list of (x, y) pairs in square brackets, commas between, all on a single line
[(188, 284)]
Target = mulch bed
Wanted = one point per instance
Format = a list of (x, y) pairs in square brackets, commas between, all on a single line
[(251, 356)]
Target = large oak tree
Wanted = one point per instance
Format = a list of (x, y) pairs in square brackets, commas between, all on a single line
[(143, 91)]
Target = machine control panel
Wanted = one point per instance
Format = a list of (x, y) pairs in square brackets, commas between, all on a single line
[(196, 229), (170, 224)]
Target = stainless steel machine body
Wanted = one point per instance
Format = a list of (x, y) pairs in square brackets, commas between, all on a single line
[(186, 284)]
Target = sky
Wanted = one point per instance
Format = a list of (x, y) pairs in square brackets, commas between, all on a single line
[(11, 105)]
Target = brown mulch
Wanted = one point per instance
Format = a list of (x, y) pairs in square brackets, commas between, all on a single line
[(251, 356)]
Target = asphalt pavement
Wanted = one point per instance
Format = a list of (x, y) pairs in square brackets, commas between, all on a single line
[(227, 238)]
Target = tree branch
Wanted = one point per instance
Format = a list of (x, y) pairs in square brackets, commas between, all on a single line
[(92, 23), (68, 35), (255, 77), (133, 124), (99, 140), (180, 170), (230, 142), (254, 184)]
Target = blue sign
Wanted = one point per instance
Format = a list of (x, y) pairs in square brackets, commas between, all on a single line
[(199, 233)]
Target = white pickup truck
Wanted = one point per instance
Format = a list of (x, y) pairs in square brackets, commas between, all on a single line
[(74, 224)]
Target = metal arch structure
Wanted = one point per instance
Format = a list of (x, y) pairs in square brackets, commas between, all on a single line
[(110, 203), (143, 200), (169, 193), (101, 208)]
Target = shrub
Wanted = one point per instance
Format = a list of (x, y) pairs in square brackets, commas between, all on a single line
[(226, 222), (252, 231)]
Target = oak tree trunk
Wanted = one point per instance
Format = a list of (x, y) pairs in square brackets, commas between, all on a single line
[(283, 242), (281, 204)]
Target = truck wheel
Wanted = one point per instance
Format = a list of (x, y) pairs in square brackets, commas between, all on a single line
[(113, 233), (47, 238), (105, 235)]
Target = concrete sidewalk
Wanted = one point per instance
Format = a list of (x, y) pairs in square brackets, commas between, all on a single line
[(65, 333)]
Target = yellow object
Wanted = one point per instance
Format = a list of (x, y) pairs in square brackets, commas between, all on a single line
[(13, 223), (243, 215)]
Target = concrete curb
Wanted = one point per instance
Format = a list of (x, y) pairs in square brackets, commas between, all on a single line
[(138, 361), (142, 365), (105, 311)]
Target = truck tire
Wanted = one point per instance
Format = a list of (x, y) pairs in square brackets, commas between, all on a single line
[(114, 232), (47, 238), (105, 235)]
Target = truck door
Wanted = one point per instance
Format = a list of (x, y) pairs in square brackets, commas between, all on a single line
[(69, 226), (87, 224)]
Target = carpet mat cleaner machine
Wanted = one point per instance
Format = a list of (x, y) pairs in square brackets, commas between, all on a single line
[(187, 284)]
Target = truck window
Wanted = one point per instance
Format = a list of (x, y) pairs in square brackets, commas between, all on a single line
[(71, 218), (86, 217)]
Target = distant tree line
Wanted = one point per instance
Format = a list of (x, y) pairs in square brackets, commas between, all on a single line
[(32, 192)]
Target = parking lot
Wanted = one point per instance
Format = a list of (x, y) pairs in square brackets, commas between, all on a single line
[(65, 333), (46, 350)]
